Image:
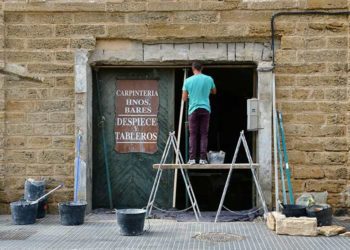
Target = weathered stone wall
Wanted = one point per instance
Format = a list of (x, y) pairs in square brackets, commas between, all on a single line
[(37, 118)]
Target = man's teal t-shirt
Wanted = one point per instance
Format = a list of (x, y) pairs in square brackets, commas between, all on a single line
[(198, 88)]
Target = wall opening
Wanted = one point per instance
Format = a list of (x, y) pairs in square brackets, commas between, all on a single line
[(228, 117)]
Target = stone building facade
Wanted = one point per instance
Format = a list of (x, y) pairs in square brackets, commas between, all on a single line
[(49, 47)]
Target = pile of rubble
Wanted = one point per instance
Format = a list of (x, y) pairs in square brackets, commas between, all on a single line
[(303, 226)]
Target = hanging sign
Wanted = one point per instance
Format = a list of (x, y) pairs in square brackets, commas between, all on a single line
[(136, 121)]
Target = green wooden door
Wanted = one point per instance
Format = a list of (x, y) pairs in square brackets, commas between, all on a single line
[(131, 174)]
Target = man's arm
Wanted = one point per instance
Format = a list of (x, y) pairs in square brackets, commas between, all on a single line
[(213, 91), (184, 95)]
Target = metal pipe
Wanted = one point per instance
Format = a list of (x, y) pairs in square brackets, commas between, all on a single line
[(274, 117)]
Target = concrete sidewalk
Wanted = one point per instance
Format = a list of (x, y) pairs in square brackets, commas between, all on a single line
[(100, 232)]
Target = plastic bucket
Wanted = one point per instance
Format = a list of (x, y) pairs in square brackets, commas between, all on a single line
[(290, 210), (23, 213), (72, 213), (323, 214), (131, 221), (32, 191)]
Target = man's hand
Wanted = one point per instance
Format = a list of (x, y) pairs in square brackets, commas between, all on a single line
[(184, 96)]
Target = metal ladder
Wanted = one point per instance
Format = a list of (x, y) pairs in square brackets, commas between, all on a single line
[(171, 142), (246, 148)]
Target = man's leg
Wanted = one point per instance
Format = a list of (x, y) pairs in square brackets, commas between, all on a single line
[(204, 128), (193, 127)]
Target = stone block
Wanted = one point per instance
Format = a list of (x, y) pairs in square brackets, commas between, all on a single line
[(322, 56), (61, 116), (98, 17), (118, 51), (83, 43), (336, 173), (11, 43), (208, 51), (327, 4), (308, 172), (69, 30), (49, 106), (346, 234), (271, 219), (14, 17), (39, 170), (300, 68), (331, 186), (50, 18), (15, 142), (23, 57), (150, 17), (196, 17), (50, 68), (49, 129), (55, 7), (63, 93), (171, 52), (127, 6), (302, 226), (63, 142), (39, 141), (20, 156), (127, 31), (19, 129), (25, 31), (37, 117), (64, 81), (220, 5), (51, 156), (337, 42), (64, 56), (292, 42), (331, 230), (173, 6), (152, 52)]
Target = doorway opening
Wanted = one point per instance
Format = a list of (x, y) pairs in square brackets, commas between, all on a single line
[(235, 84)]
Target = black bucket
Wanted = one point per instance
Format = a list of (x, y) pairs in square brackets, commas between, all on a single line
[(72, 213), (290, 210), (23, 213), (131, 221), (33, 190), (323, 214)]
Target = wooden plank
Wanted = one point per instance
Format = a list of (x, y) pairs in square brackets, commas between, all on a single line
[(207, 166)]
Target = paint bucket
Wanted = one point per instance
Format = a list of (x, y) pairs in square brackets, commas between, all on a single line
[(72, 213), (290, 210), (323, 214), (23, 213), (33, 190), (131, 221)]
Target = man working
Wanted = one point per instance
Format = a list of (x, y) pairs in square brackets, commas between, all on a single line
[(198, 88)]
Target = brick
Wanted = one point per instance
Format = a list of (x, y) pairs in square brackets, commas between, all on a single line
[(336, 94), (65, 56), (22, 56), (331, 186), (15, 169), (14, 17), (338, 67), (323, 56), (336, 119), (318, 119), (39, 142), (292, 42), (330, 80), (49, 106), (63, 169), (297, 226), (297, 68), (50, 68), (63, 142), (51, 18), (65, 81), (315, 42), (326, 4), (83, 43), (47, 43), (29, 31), (15, 142), (20, 156), (14, 43), (49, 129), (230, 16), (51, 156), (127, 31), (308, 172), (150, 17), (336, 173), (337, 42), (59, 7), (19, 129), (332, 107), (129, 6), (69, 30), (196, 17), (39, 170), (62, 116), (299, 106), (37, 117), (173, 6), (15, 117), (99, 17), (334, 158)]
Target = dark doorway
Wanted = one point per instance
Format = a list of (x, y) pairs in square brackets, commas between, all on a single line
[(228, 117)]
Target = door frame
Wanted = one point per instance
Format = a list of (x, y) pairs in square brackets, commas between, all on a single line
[(174, 55)]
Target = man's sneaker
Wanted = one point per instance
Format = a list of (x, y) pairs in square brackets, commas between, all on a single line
[(203, 162), (191, 162)]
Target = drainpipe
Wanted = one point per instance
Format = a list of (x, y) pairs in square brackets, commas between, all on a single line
[(274, 16)]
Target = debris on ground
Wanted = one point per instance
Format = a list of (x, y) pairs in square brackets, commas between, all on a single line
[(331, 230)]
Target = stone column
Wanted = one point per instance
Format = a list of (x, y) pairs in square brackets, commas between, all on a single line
[(264, 138), (83, 122)]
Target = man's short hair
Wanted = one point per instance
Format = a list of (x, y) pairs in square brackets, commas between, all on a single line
[(197, 65)]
